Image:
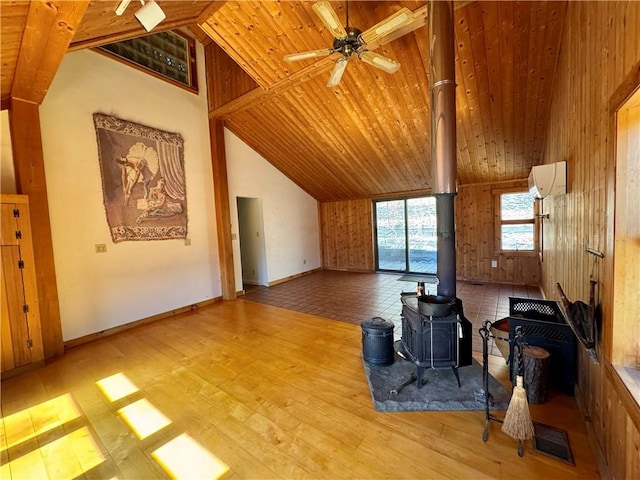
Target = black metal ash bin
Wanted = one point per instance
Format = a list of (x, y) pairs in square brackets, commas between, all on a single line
[(377, 341)]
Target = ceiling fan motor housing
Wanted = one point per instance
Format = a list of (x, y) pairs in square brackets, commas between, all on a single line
[(349, 44)]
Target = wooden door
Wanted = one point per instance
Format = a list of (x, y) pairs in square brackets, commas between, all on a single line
[(20, 327)]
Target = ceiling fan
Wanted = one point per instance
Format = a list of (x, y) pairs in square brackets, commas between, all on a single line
[(351, 41)]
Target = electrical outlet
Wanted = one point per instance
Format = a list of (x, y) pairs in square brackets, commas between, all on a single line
[(234, 236), (494, 264), (101, 248), (187, 242)]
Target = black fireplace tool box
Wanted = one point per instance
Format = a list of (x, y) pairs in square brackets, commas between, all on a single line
[(544, 325)]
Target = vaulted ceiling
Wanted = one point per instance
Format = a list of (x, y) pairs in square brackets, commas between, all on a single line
[(368, 136)]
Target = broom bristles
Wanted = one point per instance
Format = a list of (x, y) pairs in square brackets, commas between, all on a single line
[(517, 421)]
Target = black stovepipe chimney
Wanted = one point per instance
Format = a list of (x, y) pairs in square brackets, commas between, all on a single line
[(443, 139)]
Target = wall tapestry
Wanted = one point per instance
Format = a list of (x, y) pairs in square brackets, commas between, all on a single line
[(143, 181)]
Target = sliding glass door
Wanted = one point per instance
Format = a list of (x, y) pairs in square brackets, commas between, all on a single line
[(405, 233)]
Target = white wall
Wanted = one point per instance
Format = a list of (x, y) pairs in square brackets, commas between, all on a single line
[(290, 215), (138, 279), (7, 175), (135, 280)]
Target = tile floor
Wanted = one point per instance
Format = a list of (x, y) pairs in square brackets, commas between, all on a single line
[(353, 297)]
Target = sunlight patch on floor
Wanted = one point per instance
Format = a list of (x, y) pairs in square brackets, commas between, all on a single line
[(33, 421), (67, 457), (184, 458), (116, 387), (143, 418)]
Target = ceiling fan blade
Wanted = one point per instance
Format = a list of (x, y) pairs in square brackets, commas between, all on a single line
[(330, 19), (399, 19), (338, 70), (379, 61), (294, 57)]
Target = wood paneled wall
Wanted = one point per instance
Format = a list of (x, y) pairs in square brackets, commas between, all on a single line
[(476, 243), (226, 81), (347, 235), (600, 56), (348, 244)]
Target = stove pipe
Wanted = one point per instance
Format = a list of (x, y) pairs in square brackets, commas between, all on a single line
[(443, 139)]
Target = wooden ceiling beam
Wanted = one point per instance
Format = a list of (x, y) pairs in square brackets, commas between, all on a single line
[(49, 29), (248, 99)]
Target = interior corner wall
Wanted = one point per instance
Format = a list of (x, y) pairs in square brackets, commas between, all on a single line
[(475, 239), (291, 231), (133, 279)]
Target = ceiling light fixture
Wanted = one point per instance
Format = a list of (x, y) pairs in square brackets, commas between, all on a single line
[(149, 15)]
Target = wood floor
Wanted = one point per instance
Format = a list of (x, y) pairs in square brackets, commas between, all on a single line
[(246, 390)]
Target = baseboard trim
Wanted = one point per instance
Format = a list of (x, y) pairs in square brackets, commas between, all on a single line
[(293, 277), (14, 372), (144, 321)]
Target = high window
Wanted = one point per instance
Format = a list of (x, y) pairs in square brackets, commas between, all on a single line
[(515, 222), (170, 56)]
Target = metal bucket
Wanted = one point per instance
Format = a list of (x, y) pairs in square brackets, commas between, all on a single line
[(377, 341)]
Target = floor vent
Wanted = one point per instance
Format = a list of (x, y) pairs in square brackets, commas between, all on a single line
[(553, 442)]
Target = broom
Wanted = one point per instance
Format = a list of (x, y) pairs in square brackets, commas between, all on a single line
[(517, 421)]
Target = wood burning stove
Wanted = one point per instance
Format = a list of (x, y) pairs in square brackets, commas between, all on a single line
[(431, 341)]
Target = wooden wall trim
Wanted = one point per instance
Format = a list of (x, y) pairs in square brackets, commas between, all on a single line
[(28, 160), (626, 88), (223, 215)]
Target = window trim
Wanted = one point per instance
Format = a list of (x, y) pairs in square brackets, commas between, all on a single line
[(498, 222)]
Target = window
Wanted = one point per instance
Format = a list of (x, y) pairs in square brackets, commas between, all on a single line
[(515, 222), (625, 351), (169, 55), (405, 232)]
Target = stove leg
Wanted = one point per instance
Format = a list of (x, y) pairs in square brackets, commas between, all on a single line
[(455, 372)]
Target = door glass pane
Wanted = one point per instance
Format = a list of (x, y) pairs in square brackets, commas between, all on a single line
[(391, 242), (421, 219)]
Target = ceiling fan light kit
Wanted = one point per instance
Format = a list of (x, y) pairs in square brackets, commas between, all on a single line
[(348, 41)]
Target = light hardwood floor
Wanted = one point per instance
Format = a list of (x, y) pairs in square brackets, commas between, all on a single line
[(271, 393)]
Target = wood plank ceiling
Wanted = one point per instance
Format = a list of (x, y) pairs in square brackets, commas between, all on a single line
[(370, 135)]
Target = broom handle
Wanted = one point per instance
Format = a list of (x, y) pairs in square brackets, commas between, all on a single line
[(519, 340)]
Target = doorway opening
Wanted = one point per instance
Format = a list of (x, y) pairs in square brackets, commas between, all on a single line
[(253, 256), (405, 235)]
